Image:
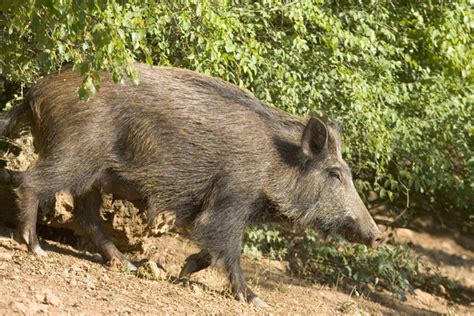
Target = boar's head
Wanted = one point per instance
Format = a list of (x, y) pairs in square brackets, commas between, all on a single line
[(322, 193)]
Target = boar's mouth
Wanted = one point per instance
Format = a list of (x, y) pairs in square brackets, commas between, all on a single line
[(353, 234), (347, 230)]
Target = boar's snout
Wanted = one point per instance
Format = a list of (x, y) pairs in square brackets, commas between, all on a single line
[(362, 230), (373, 236), (360, 227), (377, 240)]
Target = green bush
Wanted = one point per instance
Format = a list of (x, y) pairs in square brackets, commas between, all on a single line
[(353, 268), (397, 74), (265, 240)]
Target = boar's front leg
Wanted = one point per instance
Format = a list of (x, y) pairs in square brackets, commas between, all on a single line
[(86, 209), (240, 288), (220, 228)]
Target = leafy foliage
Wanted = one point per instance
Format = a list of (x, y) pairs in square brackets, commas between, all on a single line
[(266, 240), (351, 267), (398, 74)]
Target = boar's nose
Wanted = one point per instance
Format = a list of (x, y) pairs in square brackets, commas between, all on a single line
[(376, 240)]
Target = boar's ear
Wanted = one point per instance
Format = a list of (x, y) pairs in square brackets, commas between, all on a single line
[(334, 138), (315, 137)]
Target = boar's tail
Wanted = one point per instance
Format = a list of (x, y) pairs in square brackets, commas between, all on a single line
[(16, 120)]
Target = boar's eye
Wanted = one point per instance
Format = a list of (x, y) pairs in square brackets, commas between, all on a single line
[(335, 173)]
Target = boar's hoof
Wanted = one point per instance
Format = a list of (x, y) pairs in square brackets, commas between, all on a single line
[(241, 298), (129, 266), (37, 250), (31, 241), (122, 264), (259, 303), (255, 301)]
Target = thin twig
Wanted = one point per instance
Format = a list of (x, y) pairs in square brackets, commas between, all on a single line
[(407, 205)]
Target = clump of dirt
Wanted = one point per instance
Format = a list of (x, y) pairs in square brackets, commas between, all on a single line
[(20, 153), (151, 271)]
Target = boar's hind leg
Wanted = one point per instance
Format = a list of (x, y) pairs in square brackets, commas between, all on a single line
[(86, 210), (195, 263), (27, 198)]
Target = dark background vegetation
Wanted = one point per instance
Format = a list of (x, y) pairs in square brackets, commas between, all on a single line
[(397, 74)]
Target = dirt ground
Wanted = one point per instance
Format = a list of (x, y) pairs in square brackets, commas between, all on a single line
[(71, 281)]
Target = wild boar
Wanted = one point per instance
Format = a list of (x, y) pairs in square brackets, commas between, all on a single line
[(200, 147)]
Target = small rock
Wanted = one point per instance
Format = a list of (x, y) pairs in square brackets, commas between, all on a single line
[(18, 307), (197, 289), (53, 300), (30, 308), (151, 271), (425, 298), (39, 297), (467, 281), (6, 256), (442, 289), (90, 285)]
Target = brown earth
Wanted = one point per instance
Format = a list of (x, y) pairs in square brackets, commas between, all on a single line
[(71, 281)]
